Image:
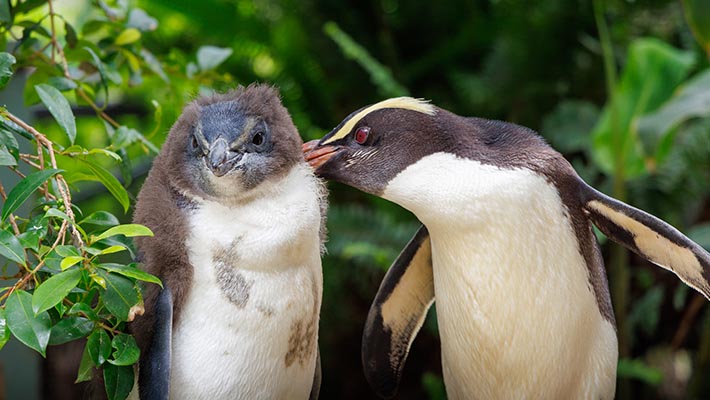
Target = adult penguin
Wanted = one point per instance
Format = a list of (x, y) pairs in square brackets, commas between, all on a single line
[(508, 250)]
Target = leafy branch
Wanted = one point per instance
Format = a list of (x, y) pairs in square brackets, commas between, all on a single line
[(68, 276)]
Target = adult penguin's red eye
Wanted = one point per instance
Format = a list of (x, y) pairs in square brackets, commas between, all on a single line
[(362, 134)]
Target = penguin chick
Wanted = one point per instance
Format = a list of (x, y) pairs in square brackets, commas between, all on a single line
[(508, 249), (238, 218)]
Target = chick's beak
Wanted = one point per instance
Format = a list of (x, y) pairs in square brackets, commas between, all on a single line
[(317, 155), (221, 160)]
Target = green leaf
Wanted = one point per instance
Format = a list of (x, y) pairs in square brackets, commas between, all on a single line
[(69, 329), (24, 189), (12, 127), (61, 83), (99, 347), (692, 100), (119, 296), (52, 262), (94, 251), (6, 62), (110, 182), (53, 212), (697, 13), (99, 280), (191, 69), (85, 367), (67, 251), (653, 70), (83, 308), (209, 57), (128, 230), (5, 13), (28, 5), (124, 136), (380, 75), (30, 329), (102, 70), (59, 107), (112, 249), (101, 218), (118, 381), (628, 368), (140, 20), (54, 290), (70, 35), (121, 240), (132, 272), (126, 352), (154, 64), (69, 261), (128, 36), (7, 139), (6, 158), (11, 248), (4, 330), (108, 153), (34, 232)]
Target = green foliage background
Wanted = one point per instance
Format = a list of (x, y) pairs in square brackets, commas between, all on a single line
[(621, 88)]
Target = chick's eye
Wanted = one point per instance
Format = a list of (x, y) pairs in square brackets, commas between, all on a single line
[(258, 139), (362, 134), (193, 142)]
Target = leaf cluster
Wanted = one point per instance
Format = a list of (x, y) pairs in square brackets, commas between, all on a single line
[(67, 275)]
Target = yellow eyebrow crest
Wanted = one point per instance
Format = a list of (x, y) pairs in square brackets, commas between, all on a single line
[(406, 103)]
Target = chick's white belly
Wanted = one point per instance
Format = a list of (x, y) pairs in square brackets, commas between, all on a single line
[(261, 348)]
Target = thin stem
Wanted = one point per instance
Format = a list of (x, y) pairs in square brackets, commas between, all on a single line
[(62, 185), (18, 173), (56, 47), (21, 283), (28, 160), (101, 113), (7, 278), (11, 218), (687, 321), (607, 48), (65, 66)]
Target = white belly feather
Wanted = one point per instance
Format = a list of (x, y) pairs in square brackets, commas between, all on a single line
[(516, 313), (249, 326)]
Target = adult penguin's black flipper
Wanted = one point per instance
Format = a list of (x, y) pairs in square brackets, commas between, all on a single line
[(397, 314), (649, 237), (154, 367)]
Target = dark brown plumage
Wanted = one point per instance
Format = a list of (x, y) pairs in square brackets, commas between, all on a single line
[(161, 200), (184, 173)]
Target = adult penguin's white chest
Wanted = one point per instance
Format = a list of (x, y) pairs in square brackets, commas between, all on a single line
[(516, 312), (249, 325)]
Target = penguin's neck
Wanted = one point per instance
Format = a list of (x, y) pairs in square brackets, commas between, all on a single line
[(515, 308), (267, 230)]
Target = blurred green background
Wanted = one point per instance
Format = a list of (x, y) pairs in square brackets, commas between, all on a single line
[(622, 88)]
